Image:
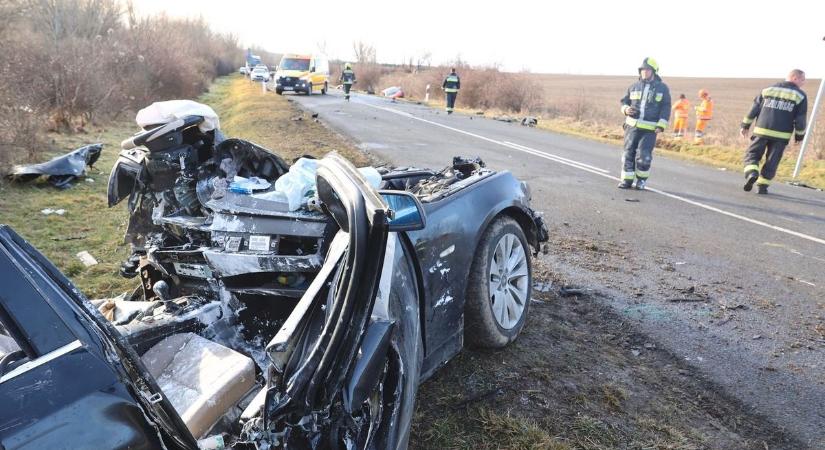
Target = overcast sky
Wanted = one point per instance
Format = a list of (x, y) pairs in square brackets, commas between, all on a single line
[(756, 38)]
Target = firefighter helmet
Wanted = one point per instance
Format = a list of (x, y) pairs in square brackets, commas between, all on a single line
[(348, 66), (649, 63)]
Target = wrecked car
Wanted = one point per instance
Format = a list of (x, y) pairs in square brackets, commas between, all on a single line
[(256, 326)]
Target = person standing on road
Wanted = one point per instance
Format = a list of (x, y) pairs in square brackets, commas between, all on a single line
[(451, 86), (704, 112), (347, 79), (680, 116), (646, 106), (780, 112)]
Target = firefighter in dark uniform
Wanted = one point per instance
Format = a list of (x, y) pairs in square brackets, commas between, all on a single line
[(451, 86), (780, 112), (347, 79), (646, 107)]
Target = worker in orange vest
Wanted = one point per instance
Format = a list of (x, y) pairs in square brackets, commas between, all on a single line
[(704, 112), (680, 115)]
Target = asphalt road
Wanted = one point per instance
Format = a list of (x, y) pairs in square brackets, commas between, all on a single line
[(752, 268)]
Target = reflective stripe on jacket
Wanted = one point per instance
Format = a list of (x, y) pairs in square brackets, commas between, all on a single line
[(778, 111), (681, 109), (452, 83), (652, 100), (705, 109)]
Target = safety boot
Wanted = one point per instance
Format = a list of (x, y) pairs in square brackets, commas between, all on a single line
[(640, 184), (762, 189), (626, 184), (750, 179)]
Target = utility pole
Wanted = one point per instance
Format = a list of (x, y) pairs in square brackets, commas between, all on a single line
[(810, 131)]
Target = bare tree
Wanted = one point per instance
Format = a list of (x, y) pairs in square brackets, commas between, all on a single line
[(364, 53)]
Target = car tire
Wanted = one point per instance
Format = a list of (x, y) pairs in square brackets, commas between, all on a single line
[(324, 89), (279, 91), (499, 288), (309, 89)]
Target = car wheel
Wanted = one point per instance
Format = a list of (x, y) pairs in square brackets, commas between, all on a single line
[(324, 89), (279, 91), (498, 292), (309, 89)]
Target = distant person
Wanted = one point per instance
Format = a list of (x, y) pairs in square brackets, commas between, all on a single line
[(347, 79), (646, 106), (681, 112), (704, 113), (451, 86), (780, 112)]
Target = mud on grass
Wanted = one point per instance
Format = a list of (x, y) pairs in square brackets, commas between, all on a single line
[(90, 225), (579, 377)]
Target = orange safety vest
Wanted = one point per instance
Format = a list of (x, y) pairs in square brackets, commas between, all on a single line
[(681, 108), (705, 110)]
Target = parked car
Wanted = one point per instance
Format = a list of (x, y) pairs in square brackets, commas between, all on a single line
[(302, 73), (260, 74), (243, 70), (258, 326)]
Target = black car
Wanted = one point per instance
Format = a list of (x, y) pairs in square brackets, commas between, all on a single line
[(203, 355)]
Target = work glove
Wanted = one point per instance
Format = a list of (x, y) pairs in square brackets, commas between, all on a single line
[(632, 112)]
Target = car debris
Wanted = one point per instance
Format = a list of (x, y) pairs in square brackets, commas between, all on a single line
[(50, 211), (62, 170), (393, 92), (530, 121), (86, 258)]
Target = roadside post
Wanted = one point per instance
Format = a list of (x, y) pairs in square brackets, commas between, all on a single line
[(263, 86), (427, 94), (810, 131)]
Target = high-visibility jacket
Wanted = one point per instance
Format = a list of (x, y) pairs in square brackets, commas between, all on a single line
[(452, 83), (778, 111), (705, 109), (652, 100), (681, 109), (347, 76)]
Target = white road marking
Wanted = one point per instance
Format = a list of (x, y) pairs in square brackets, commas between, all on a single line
[(602, 173)]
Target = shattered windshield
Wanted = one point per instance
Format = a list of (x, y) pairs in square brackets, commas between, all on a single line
[(294, 64)]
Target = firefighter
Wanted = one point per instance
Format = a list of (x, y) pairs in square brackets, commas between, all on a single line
[(680, 116), (704, 112), (780, 112), (451, 86), (347, 79), (646, 106)]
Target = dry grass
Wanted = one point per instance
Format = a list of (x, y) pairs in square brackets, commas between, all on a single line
[(267, 119)]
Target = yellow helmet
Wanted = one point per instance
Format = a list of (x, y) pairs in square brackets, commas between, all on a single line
[(348, 66)]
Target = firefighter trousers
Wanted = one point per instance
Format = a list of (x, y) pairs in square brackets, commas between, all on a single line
[(701, 127), (347, 87), (680, 126), (638, 153), (772, 149), (451, 100)]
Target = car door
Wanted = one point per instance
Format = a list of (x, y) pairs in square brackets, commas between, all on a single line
[(344, 337), (67, 386)]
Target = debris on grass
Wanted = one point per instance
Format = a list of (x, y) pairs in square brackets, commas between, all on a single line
[(86, 258)]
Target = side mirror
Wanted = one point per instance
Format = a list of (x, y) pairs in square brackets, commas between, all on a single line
[(406, 212)]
